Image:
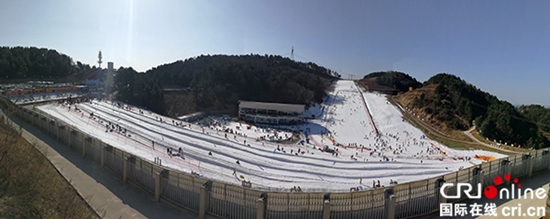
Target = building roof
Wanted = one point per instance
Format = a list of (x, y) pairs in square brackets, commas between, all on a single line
[(272, 106)]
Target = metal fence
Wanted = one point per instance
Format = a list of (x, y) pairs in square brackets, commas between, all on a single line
[(221, 200)]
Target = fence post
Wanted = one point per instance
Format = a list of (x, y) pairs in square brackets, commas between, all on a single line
[(479, 176), (507, 169), (158, 176), (390, 203), (530, 166), (438, 186), (125, 167), (326, 206), (204, 199), (261, 206)]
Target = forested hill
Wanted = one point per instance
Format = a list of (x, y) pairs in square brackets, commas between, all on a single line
[(448, 101), (538, 114), (390, 82), (38, 63), (219, 81)]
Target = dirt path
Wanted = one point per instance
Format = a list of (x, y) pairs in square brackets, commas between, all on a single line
[(469, 134)]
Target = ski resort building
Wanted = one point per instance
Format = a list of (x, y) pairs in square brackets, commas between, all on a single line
[(271, 113)]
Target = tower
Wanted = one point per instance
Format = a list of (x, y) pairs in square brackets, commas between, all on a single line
[(292, 53), (99, 59)]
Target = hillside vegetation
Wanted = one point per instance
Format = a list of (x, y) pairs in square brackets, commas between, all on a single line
[(390, 82), (31, 63), (31, 187), (538, 114), (448, 101), (218, 82)]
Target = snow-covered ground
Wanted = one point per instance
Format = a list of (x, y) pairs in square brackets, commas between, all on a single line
[(384, 148)]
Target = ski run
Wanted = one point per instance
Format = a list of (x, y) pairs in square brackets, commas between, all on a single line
[(376, 147)]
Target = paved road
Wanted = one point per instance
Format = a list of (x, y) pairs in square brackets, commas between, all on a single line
[(104, 192)]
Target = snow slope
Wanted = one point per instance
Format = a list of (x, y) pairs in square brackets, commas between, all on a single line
[(392, 149)]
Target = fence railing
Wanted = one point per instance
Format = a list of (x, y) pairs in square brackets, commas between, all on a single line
[(221, 200)]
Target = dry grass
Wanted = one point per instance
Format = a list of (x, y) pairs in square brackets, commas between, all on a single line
[(455, 139), (453, 143), (476, 134), (31, 187)]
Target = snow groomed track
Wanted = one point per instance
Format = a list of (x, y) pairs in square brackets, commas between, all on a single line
[(398, 153)]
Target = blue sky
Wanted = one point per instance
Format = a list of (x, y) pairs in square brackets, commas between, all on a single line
[(502, 47)]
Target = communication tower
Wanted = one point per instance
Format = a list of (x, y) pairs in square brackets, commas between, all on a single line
[(99, 59)]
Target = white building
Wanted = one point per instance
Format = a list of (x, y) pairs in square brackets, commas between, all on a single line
[(271, 113)]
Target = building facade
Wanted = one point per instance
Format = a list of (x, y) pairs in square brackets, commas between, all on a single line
[(271, 113)]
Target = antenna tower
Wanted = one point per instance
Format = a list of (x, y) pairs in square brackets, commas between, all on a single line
[(292, 54), (99, 59)]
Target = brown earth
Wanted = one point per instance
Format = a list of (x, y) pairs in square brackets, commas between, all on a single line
[(31, 187)]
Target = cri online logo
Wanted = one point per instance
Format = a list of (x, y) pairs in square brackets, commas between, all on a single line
[(491, 191)]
